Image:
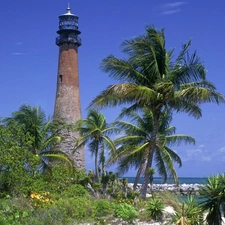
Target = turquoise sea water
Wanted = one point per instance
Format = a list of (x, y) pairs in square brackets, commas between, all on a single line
[(182, 180)]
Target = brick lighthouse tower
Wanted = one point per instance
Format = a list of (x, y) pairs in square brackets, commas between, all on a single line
[(67, 102)]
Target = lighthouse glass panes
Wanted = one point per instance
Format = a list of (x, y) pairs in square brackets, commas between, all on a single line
[(68, 22), (68, 29), (68, 38)]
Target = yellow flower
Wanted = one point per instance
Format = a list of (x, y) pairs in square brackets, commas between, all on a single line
[(32, 195)]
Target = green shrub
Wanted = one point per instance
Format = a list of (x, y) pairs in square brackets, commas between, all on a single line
[(52, 215), (125, 212), (169, 198), (155, 208), (132, 194), (78, 208), (74, 190), (102, 207), (14, 211), (190, 211)]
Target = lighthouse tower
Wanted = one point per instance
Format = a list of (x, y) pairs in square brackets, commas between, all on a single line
[(67, 102)]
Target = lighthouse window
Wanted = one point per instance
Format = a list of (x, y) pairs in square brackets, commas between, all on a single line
[(60, 78)]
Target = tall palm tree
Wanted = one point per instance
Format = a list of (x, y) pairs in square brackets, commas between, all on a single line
[(44, 134), (149, 77), (134, 145), (213, 194), (94, 130)]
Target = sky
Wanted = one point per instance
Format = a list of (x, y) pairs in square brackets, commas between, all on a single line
[(29, 60)]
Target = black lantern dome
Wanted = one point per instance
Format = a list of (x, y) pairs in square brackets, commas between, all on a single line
[(68, 29)]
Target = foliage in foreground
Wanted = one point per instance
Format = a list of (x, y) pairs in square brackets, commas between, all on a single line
[(155, 208), (126, 212), (190, 213), (65, 200), (16, 162), (213, 193)]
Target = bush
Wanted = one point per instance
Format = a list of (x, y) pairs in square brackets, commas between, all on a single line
[(74, 190), (102, 207), (155, 208), (14, 211), (170, 199), (125, 212), (17, 165), (78, 208), (52, 215)]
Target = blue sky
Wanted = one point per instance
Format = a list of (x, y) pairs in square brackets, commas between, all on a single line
[(29, 59)]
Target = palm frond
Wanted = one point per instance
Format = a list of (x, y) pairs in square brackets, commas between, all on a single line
[(200, 92), (121, 70), (60, 157), (179, 139)]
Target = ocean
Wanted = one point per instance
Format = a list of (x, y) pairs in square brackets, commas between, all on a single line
[(182, 180)]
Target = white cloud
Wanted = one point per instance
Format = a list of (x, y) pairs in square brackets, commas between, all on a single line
[(18, 53), (171, 8), (222, 149), (175, 4), (201, 146), (19, 43), (206, 158), (200, 153), (169, 12)]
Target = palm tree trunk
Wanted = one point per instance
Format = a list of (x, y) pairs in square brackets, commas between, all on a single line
[(113, 187), (105, 185), (96, 166), (125, 191), (151, 185), (138, 176), (144, 186)]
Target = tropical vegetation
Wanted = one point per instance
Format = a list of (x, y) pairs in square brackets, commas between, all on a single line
[(149, 77), (44, 133), (94, 131), (213, 195), (38, 183), (135, 145), (28, 196)]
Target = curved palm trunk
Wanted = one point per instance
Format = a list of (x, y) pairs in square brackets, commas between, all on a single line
[(151, 184), (138, 175), (96, 165), (113, 187), (144, 186), (103, 162), (104, 188)]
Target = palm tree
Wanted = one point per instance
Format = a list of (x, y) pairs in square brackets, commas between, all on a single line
[(213, 193), (94, 130), (151, 172), (149, 77), (44, 134), (133, 147)]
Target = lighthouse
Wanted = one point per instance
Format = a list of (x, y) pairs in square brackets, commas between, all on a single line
[(67, 101)]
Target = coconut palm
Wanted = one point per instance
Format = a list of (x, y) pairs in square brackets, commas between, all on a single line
[(44, 134), (149, 77), (94, 130), (213, 193), (133, 147)]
